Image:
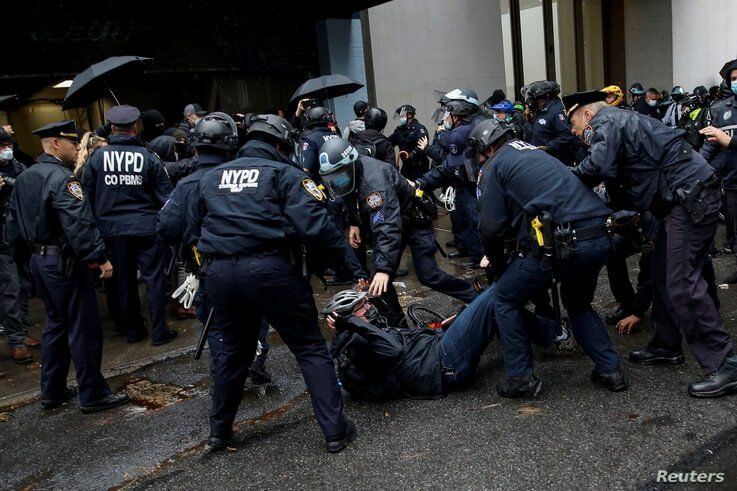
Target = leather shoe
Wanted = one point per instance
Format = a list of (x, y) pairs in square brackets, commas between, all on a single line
[(69, 394), (616, 315), (140, 335), (401, 272), (613, 381), (109, 402), (335, 444), (217, 443), (731, 279), (167, 339), (32, 342), (719, 383), (655, 356), (259, 374), (21, 355), (457, 253), (520, 387)]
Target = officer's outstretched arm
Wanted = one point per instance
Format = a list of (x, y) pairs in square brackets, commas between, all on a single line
[(77, 220)]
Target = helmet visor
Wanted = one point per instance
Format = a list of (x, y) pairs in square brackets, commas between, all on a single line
[(342, 181)]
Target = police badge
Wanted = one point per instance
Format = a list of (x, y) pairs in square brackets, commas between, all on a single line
[(374, 200), (312, 189), (75, 189)]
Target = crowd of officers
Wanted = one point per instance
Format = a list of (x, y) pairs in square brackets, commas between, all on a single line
[(542, 194)]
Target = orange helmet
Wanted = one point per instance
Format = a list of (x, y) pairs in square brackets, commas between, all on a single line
[(616, 92)]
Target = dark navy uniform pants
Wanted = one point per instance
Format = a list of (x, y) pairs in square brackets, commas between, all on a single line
[(682, 301), (632, 301), (526, 277), (243, 291), (11, 316), (127, 254), (468, 226), (72, 330)]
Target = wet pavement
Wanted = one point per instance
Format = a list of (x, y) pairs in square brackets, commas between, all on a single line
[(576, 436)]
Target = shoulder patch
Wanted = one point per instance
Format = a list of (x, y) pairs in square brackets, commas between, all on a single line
[(542, 121), (75, 189), (727, 115), (312, 189), (561, 117), (374, 200)]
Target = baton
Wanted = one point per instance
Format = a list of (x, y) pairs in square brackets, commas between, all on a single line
[(203, 336)]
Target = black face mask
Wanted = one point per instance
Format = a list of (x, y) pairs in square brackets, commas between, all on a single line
[(184, 150), (372, 314)]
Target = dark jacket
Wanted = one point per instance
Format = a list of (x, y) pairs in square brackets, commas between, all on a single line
[(126, 184), (641, 161), (452, 142), (260, 202), (375, 141), (642, 107), (405, 138), (520, 182), (48, 207), (172, 225), (551, 129), (11, 168), (384, 196), (309, 146), (724, 160), (379, 363)]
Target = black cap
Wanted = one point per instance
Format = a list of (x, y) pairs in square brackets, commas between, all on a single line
[(152, 118), (5, 136), (726, 70), (123, 115), (194, 108), (578, 99), (62, 129)]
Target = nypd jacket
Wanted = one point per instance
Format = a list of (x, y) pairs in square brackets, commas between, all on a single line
[(260, 202), (447, 174), (641, 161), (173, 226), (724, 160), (48, 207), (520, 182), (380, 362), (405, 138), (383, 194), (127, 185), (551, 129)]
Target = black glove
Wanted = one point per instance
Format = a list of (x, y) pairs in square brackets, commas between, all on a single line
[(341, 321)]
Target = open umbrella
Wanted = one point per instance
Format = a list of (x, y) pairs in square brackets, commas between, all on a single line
[(326, 87), (88, 84), (8, 101)]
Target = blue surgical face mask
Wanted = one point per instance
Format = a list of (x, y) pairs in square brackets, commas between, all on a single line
[(447, 125), (402, 121), (734, 87)]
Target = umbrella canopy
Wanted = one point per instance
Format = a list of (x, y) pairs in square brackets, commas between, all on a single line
[(8, 101), (326, 87), (89, 84)]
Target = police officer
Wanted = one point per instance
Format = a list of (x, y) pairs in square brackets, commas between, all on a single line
[(550, 129), (372, 141), (317, 131), (215, 137), (127, 185), (397, 218), (253, 214), (520, 182), (639, 100), (696, 117), (11, 295), (675, 111), (49, 212), (648, 166), (717, 148), (406, 137), (448, 148)]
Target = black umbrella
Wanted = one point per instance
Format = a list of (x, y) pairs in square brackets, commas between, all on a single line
[(8, 101), (326, 87), (89, 84)]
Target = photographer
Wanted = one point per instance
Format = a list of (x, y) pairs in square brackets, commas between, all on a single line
[(16, 329)]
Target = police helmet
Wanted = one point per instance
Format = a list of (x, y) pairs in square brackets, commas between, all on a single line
[(503, 107), (404, 110), (375, 119), (317, 116), (215, 130), (725, 91), (542, 88), (337, 160), (360, 108), (637, 89), (464, 95), (344, 302), (462, 109), (485, 135), (273, 126), (677, 91), (701, 92)]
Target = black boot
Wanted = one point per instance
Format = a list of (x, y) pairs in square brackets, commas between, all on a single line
[(337, 443), (719, 383), (656, 356), (520, 387), (613, 381), (259, 375)]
